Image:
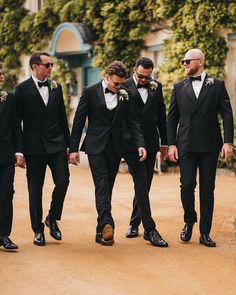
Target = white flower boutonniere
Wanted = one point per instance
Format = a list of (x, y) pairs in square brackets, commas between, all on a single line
[(209, 81), (153, 85), (3, 95), (123, 94), (53, 84)]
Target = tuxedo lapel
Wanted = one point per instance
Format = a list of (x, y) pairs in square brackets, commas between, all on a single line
[(189, 90), (2, 105), (149, 99), (100, 94), (51, 97), (134, 90)]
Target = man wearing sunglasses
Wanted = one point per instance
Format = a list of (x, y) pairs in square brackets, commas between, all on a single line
[(46, 139), (149, 105), (11, 148), (106, 105), (194, 139)]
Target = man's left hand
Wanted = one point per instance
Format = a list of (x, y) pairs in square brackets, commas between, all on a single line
[(227, 151), (142, 153)]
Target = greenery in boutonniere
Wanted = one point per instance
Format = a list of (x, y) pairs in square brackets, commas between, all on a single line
[(52, 84)]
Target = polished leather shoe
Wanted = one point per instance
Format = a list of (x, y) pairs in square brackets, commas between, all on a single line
[(106, 237), (207, 241), (155, 238), (132, 232), (39, 239), (186, 232), (54, 229), (7, 243)]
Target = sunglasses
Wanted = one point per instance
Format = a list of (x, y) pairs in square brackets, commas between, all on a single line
[(47, 65), (115, 83), (1, 73), (141, 77), (187, 61)]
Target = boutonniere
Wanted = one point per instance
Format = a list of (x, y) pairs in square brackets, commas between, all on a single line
[(52, 84), (209, 81), (153, 85), (123, 94), (3, 95)]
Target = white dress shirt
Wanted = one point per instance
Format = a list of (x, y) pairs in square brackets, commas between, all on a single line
[(142, 91), (44, 92), (197, 85), (110, 99)]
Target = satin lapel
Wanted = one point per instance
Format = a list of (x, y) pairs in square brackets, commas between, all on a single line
[(100, 94), (150, 97), (202, 94), (189, 90), (52, 95), (2, 105), (35, 93), (119, 102)]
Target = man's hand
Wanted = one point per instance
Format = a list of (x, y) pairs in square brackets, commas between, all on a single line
[(20, 161), (163, 151), (226, 151), (74, 158), (173, 153), (142, 153)]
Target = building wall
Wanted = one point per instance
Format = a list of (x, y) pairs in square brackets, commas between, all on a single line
[(34, 5)]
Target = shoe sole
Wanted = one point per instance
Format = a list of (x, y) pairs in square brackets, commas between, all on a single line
[(39, 244), (54, 237), (103, 242)]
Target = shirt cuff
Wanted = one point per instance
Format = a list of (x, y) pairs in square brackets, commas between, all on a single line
[(19, 154)]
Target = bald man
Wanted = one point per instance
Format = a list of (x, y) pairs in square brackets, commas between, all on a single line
[(194, 139)]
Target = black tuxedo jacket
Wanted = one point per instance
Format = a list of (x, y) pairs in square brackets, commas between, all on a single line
[(45, 128), (152, 117), (101, 128), (11, 140), (193, 123)]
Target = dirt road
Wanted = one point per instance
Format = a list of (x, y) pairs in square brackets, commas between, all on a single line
[(79, 266)]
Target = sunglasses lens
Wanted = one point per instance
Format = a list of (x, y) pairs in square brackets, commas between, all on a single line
[(49, 65), (185, 61)]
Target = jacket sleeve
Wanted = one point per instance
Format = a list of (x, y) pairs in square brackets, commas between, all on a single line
[(161, 117), (173, 119), (17, 130), (63, 119), (227, 115), (79, 121)]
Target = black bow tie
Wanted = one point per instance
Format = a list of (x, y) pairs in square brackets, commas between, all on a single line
[(41, 84), (142, 86), (198, 78), (107, 90)]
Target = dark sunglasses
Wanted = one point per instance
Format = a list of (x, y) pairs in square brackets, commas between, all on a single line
[(47, 64), (1, 73), (115, 83), (187, 61), (141, 77)]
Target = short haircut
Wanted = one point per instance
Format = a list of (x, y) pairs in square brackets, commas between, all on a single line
[(145, 62), (35, 57), (117, 68)]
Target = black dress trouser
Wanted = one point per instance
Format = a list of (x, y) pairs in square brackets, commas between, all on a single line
[(6, 195), (36, 170), (207, 164), (142, 174)]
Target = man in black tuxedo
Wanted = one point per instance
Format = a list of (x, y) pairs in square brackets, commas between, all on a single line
[(195, 105), (46, 138), (106, 105), (11, 148), (149, 105)]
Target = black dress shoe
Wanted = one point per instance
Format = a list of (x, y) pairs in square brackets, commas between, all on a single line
[(155, 238), (186, 232), (7, 243), (54, 229), (207, 241), (39, 239), (132, 232), (106, 237)]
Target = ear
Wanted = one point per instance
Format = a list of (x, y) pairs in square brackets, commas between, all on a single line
[(34, 66)]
